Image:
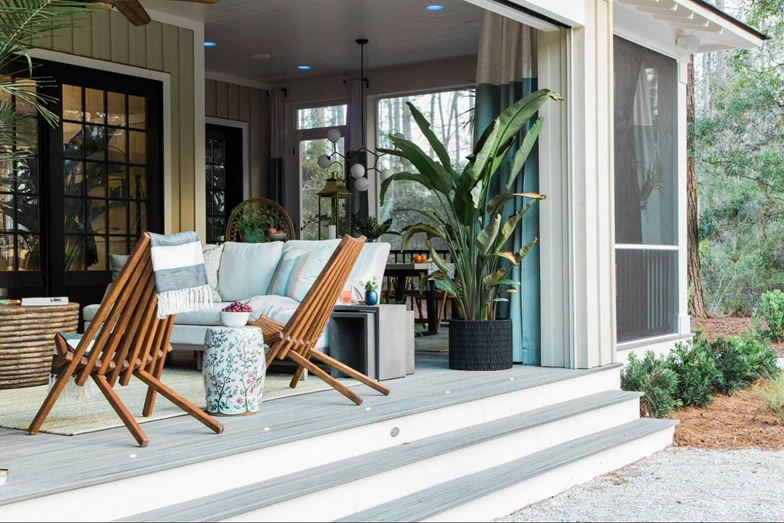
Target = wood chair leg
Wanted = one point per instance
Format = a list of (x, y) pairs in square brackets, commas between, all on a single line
[(48, 404), (298, 375), (178, 400), (149, 402), (122, 411), (326, 378), (444, 299), (335, 364)]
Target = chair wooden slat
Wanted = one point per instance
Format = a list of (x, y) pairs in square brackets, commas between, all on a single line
[(129, 341), (296, 340)]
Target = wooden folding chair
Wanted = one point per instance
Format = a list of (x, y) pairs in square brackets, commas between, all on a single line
[(129, 340), (296, 340)]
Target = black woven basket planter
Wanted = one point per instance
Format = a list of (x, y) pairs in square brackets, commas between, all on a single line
[(480, 345)]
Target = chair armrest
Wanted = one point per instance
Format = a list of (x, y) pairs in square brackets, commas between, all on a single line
[(272, 330)]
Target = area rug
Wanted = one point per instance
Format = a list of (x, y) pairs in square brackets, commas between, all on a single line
[(436, 343), (18, 407)]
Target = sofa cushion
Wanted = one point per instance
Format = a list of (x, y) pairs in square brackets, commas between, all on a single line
[(212, 260), (371, 264), (297, 271), (311, 245), (246, 269)]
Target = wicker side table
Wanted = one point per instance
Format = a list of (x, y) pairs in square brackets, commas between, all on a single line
[(27, 342)]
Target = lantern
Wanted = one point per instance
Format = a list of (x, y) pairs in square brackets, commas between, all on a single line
[(335, 199)]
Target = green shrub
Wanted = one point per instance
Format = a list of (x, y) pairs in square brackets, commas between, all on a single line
[(698, 375), (772, 305), (656, 380), (742, 361)]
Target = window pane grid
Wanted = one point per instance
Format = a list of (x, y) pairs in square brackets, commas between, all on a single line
[(103, 214), (217, 213), (19, 204)]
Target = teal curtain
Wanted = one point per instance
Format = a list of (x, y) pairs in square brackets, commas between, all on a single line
[(506, 72)]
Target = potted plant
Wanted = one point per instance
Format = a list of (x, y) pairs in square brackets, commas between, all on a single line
[(471, 226), (371, 292), (367, 226), (253, 224)]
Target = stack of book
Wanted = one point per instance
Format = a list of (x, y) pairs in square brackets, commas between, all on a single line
[(44, 302)]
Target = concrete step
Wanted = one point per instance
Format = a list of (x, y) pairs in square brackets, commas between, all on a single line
[(339, 489), (498, 491)]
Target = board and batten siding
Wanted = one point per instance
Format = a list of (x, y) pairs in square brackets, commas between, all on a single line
[(250, 105), (157, 46)]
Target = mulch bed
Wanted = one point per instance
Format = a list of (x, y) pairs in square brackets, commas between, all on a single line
[(728, 327), (731, 422)]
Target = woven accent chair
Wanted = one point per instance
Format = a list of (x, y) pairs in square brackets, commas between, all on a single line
[(296, 340), (129, 340)]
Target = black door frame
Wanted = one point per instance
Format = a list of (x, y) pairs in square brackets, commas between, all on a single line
[(54, 278), (236, 144)]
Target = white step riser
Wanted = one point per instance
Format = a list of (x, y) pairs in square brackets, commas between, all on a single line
[(349, 498), (551, 483), (127, 497)]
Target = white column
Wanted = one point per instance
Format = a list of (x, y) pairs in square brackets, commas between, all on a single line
[(591, 209), (554, 213), (684, 321)]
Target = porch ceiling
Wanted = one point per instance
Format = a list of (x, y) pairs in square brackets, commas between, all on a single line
[(322, 34), (715, 29)]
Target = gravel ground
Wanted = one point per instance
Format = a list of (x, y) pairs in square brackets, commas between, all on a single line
[(677, 484)]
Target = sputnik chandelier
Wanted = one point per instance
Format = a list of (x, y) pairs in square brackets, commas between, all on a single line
[(358, 171)]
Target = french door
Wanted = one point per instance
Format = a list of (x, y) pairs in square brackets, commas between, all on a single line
[(99, 181), (224, 178)]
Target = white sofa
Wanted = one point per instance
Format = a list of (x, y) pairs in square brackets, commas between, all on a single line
[(245, 271)]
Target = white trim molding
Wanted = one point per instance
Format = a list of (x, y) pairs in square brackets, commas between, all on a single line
[(591, 209), (165, 79)]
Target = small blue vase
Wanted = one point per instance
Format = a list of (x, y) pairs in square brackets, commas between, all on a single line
[(371, 298)]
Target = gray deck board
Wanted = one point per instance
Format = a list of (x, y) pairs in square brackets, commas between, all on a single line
[(432, 501), (265, 493), (47, 464)]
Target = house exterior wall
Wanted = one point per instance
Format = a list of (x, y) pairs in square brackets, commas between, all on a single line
[(242, 103), (176, 50)]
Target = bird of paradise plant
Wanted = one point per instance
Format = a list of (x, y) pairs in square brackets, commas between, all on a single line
[(470, 222)]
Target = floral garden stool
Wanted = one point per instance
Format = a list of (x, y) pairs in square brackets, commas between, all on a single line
[(234, 368)]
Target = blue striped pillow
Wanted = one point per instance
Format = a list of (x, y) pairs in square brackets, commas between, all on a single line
[(297, 271)]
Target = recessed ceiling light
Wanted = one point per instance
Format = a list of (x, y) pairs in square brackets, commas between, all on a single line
[(472, 23), (435, 7), (304, 67), (260, 56), (210, 44)]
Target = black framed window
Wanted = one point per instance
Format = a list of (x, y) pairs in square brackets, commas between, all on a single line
[(105, 171)]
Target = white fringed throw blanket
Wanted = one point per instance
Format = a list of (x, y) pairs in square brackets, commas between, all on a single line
[(180, 275)]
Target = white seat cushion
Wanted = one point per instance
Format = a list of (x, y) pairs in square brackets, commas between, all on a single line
[(246, 269)]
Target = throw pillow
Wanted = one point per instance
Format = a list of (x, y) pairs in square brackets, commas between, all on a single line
[(212, 259), (116, 263), (297, 271)]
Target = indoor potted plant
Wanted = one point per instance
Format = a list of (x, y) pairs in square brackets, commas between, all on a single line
[(470, 225), (252, 224), (367, 226)]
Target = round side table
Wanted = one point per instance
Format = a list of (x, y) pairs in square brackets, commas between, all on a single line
[(234, 368), (27, 342)]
